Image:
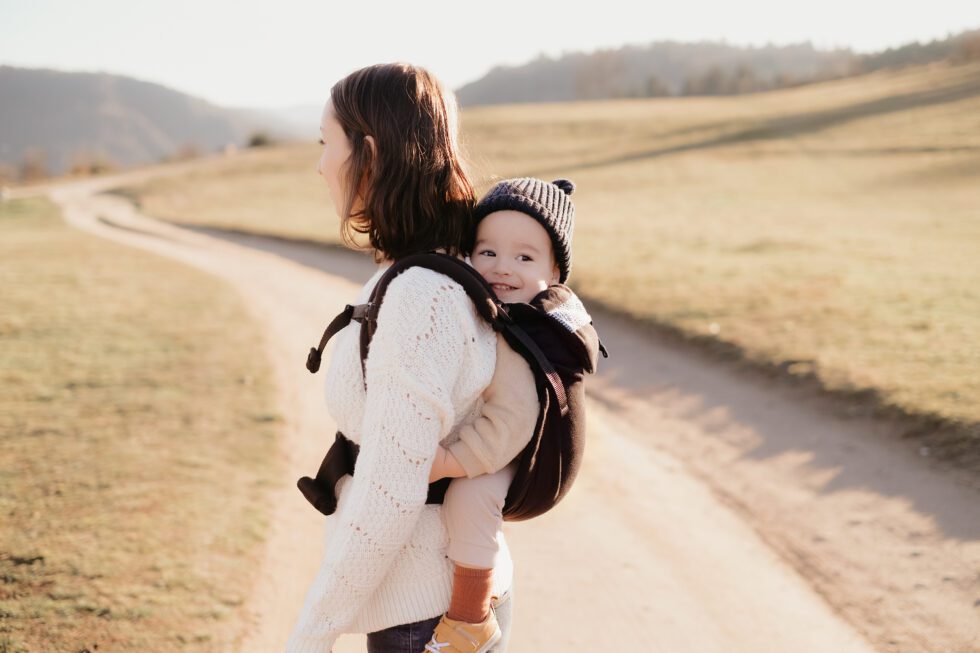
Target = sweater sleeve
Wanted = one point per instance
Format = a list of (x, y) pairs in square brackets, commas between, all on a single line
[(413, 363), (507, 420)]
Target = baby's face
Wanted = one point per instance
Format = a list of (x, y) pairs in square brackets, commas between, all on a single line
[(513, 253)]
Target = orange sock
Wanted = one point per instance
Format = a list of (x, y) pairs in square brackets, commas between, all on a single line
[(471, 594)]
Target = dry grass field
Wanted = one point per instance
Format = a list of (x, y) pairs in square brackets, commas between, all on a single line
[(830, 231), (126, 403)]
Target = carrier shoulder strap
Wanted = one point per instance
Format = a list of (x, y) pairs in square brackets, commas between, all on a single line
[(474, 285), (367, 314)]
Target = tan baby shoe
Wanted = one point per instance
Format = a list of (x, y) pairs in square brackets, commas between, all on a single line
[(453, 636)]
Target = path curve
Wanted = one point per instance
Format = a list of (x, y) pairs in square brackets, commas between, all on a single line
[(714, 511)]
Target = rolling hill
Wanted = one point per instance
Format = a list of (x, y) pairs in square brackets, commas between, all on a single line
[(59, 119)]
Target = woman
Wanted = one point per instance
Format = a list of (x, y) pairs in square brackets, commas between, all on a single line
[(391, 164)]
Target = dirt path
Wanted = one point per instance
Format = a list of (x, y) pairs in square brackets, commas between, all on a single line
[(715, 512)]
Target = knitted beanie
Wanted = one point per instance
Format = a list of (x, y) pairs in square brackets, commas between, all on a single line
[(548, 203)]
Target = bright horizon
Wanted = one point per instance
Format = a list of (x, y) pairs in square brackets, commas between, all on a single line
[(235, 54)]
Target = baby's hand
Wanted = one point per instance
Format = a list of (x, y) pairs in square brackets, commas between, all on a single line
[(445, 465), (434, 473)]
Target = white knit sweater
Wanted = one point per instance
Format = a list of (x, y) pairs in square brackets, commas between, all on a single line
[(385, 560)]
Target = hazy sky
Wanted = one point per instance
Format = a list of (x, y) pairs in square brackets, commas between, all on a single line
[(280, 53)]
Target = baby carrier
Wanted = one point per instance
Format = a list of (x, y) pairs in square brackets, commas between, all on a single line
[(553, 333)]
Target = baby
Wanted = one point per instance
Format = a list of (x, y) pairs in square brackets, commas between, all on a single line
[(522, 245)]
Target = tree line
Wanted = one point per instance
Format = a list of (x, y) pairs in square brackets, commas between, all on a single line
[(708, 68)]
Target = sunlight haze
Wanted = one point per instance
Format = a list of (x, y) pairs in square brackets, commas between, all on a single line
[(289, 53)]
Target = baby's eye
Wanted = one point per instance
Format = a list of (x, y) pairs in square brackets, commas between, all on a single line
[(487, 252), (525, 258)]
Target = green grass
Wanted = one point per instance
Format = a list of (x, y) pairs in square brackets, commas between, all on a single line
[(136, 447), (830, 230)]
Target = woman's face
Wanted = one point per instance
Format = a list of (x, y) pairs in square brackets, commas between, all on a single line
[(333, 157)]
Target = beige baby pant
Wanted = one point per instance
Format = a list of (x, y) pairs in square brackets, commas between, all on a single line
[(473, 511)]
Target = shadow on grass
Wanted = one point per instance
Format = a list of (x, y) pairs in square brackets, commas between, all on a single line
[(795, 125), (749, 392), (112, 223), (326, 257)]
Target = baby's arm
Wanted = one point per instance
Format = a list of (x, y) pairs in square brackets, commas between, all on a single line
[(504, 427), (445, 466)]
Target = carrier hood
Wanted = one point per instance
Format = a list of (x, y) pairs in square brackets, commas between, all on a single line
[(559, 310)]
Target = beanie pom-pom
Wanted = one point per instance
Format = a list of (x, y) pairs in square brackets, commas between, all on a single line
[(565, 185)]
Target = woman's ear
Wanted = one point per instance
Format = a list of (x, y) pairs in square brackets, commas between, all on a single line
[(373, 150), (372, 146)]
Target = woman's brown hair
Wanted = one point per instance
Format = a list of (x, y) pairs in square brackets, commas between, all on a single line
[(413, 189)]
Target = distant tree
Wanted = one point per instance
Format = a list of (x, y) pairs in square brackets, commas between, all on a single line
[(187, 151), (711, 82), (967, 47), (34, 166), (744, 80), (7, 174), (656, 88), (86, 163), (602, 75), (786, 80), (260, 139), (953, 48)]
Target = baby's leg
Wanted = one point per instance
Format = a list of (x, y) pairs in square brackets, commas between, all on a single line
[(473, 510)]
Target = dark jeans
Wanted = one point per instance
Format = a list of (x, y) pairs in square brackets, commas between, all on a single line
[(412, 638)]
